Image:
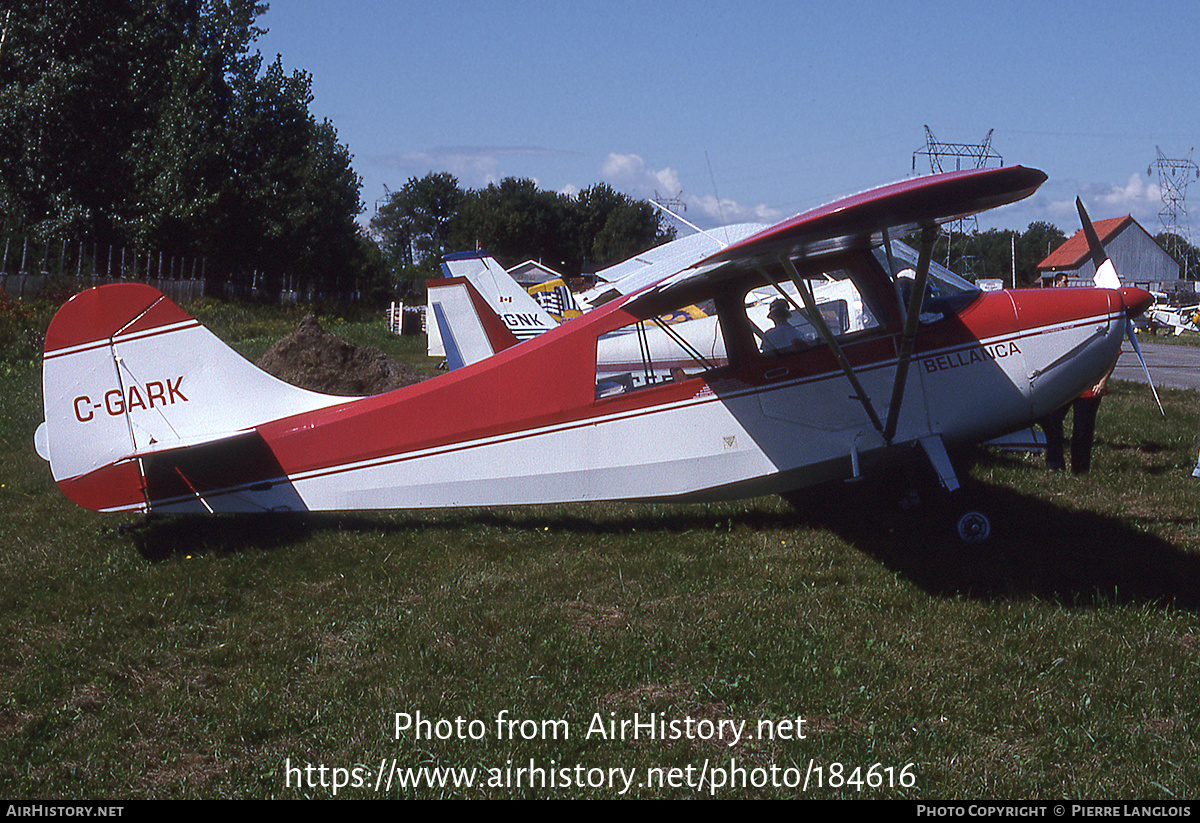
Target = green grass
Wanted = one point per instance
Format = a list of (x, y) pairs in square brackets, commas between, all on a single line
[(252, 329), (189, 658), (1166, 335)]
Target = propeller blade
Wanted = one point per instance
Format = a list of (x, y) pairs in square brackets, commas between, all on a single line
[(1129, 332), (1106, 275), (1097, 250)]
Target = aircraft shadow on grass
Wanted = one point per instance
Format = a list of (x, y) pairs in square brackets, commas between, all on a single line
[(1038, 549)]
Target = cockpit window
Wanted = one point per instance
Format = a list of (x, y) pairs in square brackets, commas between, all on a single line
[(946, 293), (669, 348), (784, 323)]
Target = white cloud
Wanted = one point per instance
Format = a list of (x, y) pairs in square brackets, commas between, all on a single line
[(1133, 195), (631, 174), (624, 168), (1137, 196), (474, 166)]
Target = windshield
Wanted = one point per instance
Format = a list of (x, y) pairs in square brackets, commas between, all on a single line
[(946, 293), (943, 281)]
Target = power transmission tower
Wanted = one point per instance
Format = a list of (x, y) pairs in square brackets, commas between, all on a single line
[(1173, 178), (977, 153), (672, 204), (970, 155)]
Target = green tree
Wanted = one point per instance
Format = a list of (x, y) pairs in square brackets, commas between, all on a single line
[(432, 202), (66, 113), (515, 221), (153, 124), (180, 155), (1033, 246), (619, 226), (413, 226), (1183, 252)]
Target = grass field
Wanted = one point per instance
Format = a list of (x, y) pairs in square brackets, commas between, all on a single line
[(855, 652)]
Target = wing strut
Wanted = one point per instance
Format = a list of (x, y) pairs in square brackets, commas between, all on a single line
[(887, 248), (817, 320), (928, 234)]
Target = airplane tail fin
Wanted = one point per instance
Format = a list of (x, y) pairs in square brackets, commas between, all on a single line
[(468, 328), (520, 313), (128, 376)]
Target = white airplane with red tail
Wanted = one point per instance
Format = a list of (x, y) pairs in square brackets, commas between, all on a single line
[(146, 411)]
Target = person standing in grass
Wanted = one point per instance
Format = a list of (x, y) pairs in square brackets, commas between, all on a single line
[(1083, 430)]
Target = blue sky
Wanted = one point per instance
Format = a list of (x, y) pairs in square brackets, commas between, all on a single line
[(754, 110)]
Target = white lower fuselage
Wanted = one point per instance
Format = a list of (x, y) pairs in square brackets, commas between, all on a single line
[(769, 429)]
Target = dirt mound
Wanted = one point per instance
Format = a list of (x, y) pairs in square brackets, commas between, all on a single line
[(315, 359)]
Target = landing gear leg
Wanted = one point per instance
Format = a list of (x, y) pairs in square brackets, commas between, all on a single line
[(970, 525)]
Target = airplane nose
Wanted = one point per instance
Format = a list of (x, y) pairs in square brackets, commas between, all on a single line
[(1136, 300)]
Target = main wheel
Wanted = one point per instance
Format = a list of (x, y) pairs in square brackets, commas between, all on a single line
[(974, 527)]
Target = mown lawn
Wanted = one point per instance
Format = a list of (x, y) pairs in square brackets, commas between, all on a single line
[(863, 651)]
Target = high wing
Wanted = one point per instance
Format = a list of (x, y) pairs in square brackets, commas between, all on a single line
[(855, 222)]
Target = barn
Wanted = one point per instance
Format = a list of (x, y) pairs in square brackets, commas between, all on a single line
[(1138, 258)]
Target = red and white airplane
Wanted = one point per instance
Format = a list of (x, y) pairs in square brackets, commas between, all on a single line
[(147, 411)]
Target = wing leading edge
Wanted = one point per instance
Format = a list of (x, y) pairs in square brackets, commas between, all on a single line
[(858, 221)]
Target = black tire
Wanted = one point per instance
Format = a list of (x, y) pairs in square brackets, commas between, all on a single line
[(973, 527)]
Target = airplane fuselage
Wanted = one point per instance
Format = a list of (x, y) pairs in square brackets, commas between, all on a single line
[(147, 411), (527, 425)]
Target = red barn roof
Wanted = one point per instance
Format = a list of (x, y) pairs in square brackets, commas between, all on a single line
[(1073, 253)]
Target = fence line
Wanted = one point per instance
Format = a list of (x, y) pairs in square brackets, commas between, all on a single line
[(30, 269), (37, 285)]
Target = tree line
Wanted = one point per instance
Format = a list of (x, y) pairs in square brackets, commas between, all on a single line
[(991, 254), (514, 221), (153, 124)]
